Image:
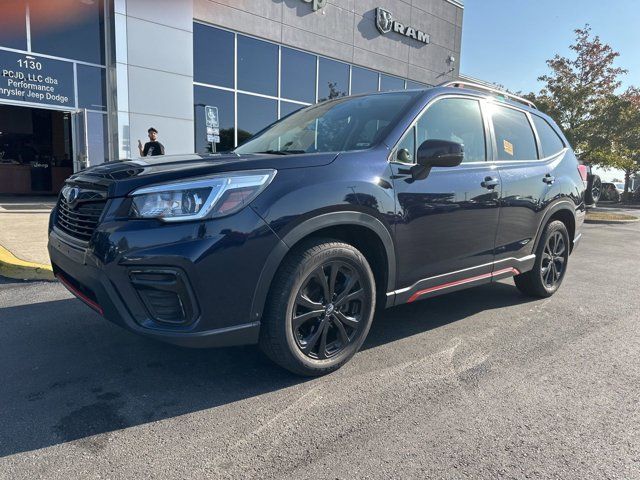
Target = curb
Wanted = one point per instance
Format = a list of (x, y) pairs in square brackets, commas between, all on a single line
[(13, 267), (610, 222)]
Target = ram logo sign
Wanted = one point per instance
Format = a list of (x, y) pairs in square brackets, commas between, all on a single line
[(386, 24), (316, 4)]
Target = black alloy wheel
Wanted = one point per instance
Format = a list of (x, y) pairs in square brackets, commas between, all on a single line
[(550, 267), (319, 308), (327, 314), (554, 258)]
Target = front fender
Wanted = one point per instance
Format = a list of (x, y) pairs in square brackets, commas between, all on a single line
[(307, 228)]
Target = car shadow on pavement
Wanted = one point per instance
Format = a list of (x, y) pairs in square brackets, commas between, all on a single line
[(410, 319), (69, 375)]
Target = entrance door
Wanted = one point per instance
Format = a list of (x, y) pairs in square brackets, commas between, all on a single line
[(89, 139), (35, 150), (447, 221)]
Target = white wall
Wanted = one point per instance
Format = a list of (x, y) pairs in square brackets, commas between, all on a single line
[(154, 73)]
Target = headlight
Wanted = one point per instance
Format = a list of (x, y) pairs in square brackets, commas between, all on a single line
[(212, 196)]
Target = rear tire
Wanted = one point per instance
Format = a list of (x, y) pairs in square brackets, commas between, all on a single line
[(552, 258), (320, 308), (594, 191)]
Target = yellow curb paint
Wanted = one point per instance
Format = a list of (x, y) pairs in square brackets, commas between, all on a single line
[(13, 267)]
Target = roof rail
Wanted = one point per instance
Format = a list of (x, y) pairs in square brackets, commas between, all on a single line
[(479, 86)]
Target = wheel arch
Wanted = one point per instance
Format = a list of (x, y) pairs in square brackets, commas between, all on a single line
[(563, 210), (365, 232)]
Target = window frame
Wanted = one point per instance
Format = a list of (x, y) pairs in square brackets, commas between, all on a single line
[(488, 145), (527, 115), (540, 149)]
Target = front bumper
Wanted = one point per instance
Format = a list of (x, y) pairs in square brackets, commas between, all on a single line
[(130, 270)]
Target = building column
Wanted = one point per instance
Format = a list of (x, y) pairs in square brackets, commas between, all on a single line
[(154, 74)]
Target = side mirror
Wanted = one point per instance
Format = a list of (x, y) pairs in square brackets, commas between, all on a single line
[(440, 153)]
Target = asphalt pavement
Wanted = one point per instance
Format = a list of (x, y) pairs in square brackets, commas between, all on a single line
[(483, 383)]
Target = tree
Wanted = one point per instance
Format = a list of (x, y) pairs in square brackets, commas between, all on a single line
[(620, 116), (575, 91)]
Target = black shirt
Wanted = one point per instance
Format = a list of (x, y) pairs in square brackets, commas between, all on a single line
[(153, 149)]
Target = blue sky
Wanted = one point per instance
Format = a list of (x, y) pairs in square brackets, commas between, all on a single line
[(508, 41)]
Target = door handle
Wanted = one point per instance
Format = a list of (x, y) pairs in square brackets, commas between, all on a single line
[(548, 179), (490, 183)]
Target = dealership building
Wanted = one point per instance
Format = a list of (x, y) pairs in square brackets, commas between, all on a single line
[(83, 80)]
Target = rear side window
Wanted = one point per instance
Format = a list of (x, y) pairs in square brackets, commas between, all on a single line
[(514, 136), (550, 141), (457, 120)]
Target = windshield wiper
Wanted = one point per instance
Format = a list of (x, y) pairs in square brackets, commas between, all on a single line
[(282, 152)]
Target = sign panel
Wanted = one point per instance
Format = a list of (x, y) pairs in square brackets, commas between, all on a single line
[(28, 78), (211, 116), (386, 23)]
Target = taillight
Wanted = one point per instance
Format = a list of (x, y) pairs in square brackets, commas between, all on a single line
[(583, 173)]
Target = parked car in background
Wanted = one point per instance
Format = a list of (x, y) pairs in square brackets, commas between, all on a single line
[(610, 192), (291, 240)]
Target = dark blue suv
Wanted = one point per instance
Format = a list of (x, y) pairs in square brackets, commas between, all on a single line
[(294, 238)]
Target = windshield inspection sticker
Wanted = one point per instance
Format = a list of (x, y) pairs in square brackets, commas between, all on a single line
[(508, 147)]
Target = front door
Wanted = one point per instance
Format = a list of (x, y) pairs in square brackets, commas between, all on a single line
[(447, 222), (89, 139)]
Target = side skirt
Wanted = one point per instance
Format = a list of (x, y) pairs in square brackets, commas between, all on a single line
[(461, 279)]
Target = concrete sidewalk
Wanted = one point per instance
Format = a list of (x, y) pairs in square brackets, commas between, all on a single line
[(23, 237)]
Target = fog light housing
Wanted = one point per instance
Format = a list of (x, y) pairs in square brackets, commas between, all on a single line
[(166, 295)]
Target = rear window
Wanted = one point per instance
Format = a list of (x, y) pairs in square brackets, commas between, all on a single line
[(550, 141), (514, 136)]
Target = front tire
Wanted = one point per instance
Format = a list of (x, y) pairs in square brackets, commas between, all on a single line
[(552, 257), (320, 308)]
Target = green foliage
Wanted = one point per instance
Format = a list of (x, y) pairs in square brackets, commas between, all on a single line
[(579, 93)]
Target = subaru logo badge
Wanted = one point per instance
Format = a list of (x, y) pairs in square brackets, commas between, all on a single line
[(70, 194)]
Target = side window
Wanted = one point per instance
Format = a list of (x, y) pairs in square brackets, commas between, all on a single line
[(406, 149), (550, 141), (457, 120), (514, 136)]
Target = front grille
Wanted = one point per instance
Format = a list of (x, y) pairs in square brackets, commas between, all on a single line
[(79, 221)]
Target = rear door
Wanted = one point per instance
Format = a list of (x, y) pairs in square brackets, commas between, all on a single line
[(447, 222), (527, 174)]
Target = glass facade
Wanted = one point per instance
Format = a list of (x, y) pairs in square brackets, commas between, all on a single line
[(81, 38), (45, 132), (253, 83)]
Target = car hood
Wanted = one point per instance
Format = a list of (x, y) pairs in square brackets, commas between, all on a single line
[(121, 177)]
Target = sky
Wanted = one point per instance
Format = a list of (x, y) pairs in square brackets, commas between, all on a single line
[(508, 41)]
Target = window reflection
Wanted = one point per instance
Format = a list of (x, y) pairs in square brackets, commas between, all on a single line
[(81, 37), (13, 34), (363, 81), (287, 108), (388, 82), (254, 114), (213, 53), (333, 79), (257, 66), (456, 120), (222, 99), (298, 75), (97, 147), (91, 87)]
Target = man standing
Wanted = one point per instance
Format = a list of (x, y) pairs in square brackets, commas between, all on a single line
[(152, 148)]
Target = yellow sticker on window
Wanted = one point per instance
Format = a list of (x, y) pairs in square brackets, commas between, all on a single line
[(508, 147)]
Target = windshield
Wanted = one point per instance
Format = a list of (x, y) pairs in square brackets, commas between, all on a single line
[(620, 186), (351, 123)]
